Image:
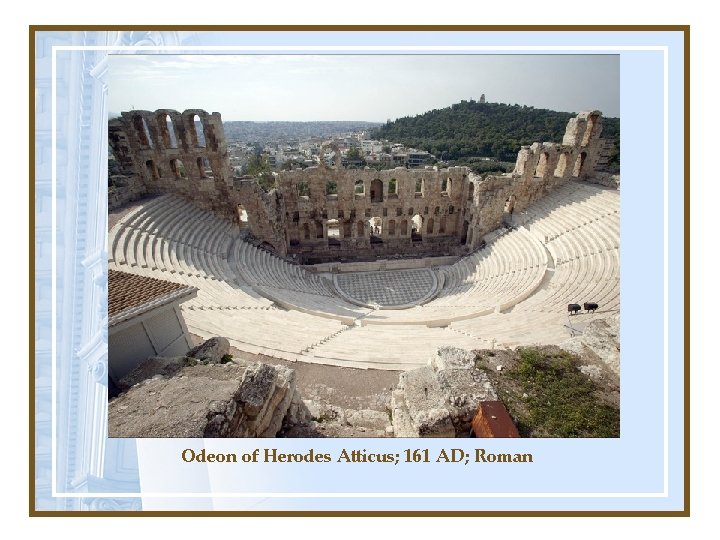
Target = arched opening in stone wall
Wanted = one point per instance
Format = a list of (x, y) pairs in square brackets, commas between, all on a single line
[(242, 216), (448, 188), (589, 129), (403, 227), (451, 209), (376, 191), (306, 231), (151, 169), (391, 227), (579, 164), (199, 132), (178, 168), (347, 229), (471, 191), (419, 187), (562, 165), (541, 165), (437, 211), (430, 226), (331, 188), (392, 189), (464, 236), (319, 232), (360, 229), (442, 225), (509, 204), (208, 168), (376, 230), (359, 187), (445, 186), (417, 228), (303, 190), (167, 131), (333, 232), (142, 131), (333, 227)]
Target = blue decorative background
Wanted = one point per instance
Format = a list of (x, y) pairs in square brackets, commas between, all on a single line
[(624, 474)]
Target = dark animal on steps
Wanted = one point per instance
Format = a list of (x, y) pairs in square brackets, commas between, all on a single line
[(574, 308)]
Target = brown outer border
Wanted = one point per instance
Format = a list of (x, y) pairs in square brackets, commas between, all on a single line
[(685, 29)]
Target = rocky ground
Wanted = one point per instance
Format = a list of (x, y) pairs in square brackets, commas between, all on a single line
[(343, 402), (348, 402)]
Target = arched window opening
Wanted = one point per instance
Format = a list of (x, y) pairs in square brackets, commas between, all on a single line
[(392, 188), (319, 232), (417, 227), (360, 229), (306, 231), (391, 227), (442, 225), (303, 189), (376, 191), (403, 227), (199, 132), (151, 169), (430, 226), (359, 187), (142, 131), (177, 168), (333, 226), (376, 230), (471, 191), (331, 188), (242, 216), (167, 131)]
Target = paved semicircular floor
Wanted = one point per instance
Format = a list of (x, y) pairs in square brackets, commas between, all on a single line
[(387, 289)]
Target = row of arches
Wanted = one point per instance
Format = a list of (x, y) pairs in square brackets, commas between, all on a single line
[(179, 170), (376, 228), (377, 189), (541, 169), (166, 128)]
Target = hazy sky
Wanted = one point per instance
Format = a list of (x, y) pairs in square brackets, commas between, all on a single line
[(359, 87)]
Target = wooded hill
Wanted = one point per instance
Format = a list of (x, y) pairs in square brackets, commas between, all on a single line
[(496, 130)]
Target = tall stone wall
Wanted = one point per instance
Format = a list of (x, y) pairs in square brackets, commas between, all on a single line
[(329, 213), (333, 213)]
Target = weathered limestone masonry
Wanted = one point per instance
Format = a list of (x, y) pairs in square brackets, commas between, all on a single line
[(329, 213)]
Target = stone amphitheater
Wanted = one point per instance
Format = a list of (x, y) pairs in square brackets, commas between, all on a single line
[(512, 292), (512, 251)]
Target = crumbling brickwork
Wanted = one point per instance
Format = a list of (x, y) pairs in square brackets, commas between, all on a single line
[(327, 212)]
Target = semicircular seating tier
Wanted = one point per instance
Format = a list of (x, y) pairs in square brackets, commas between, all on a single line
[(515, 291)]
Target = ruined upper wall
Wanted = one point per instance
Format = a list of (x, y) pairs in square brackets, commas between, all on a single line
[(171, 145), (328, 212)]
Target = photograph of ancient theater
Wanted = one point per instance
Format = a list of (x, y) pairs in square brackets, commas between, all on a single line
[(363, 246)]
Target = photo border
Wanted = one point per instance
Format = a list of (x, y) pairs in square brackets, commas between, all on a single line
[(684, 29)]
